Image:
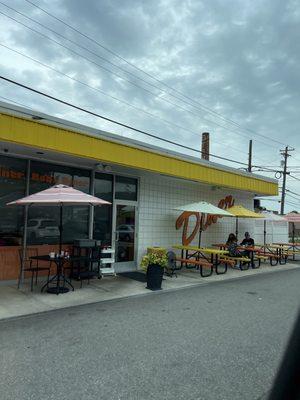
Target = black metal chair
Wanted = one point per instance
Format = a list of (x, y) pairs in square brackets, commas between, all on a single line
[(84, 269), (31, 266), (172, 266)]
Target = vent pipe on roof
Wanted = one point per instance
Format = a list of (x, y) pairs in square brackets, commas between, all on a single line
[(205, 146)]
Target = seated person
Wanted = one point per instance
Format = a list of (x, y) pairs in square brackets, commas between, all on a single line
[(232, 247), (247, 241)]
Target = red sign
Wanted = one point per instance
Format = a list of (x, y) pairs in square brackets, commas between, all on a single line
[(43, 178)]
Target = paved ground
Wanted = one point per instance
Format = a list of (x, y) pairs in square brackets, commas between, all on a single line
[(217, 341), (14, 302)]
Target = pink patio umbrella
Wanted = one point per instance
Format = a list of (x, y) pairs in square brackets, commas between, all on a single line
[(58, 195), (293, 218)]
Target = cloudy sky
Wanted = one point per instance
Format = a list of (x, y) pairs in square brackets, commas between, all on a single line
[(171, 68)]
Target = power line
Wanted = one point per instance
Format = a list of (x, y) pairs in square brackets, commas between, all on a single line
[(128, 81), (98, 90), (20, 104), (112, 97), (119, 76), (292, 204), (292, 176), (290, 191), (113, 121), (148, 74), (292, 197), (13, 101), (82, 47)]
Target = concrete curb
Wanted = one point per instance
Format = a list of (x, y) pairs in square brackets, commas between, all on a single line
[(289, 267)]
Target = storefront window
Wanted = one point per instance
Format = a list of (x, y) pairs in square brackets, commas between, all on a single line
[(126, 188), (103, 214), (12, 187), (43, 222)]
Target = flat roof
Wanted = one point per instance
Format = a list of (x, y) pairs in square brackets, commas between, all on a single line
[(32, 128)]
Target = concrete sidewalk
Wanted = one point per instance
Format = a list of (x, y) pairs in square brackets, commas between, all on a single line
[(15, 303)]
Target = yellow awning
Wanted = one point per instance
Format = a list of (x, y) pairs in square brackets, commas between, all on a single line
[(79, 142), (242, 212)]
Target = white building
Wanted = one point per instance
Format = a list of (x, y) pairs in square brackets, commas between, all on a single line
[(143, 182)]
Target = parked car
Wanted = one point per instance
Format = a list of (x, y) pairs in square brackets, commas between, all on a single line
[(126, 232), (39, 228)]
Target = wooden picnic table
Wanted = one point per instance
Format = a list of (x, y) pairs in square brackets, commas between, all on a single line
[(294, 247), (273, 252), (188, 252), (254, 251), (222, 246)]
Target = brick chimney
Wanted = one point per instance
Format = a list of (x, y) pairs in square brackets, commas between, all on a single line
[(205, 146)]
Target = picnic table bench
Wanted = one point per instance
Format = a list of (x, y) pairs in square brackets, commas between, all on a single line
[(232, 261), (200, 263), (202, 258)]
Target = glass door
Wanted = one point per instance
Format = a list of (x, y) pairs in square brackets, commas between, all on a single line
[(124, 235)]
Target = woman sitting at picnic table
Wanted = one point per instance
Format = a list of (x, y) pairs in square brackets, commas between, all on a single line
[(232, 247)]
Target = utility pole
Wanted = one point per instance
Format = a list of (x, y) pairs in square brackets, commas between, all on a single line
[(250, 157), (285, 154)]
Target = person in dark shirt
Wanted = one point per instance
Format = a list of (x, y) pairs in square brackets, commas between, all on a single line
[(247, 241)]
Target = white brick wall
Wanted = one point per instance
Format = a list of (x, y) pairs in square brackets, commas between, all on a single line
[(159, 195)]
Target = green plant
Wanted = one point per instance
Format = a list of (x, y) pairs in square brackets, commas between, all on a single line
[(160, 260)]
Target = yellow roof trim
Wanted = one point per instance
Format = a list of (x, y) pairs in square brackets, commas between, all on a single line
[(40, 135)]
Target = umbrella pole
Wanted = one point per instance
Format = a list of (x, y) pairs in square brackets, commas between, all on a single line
[(265, 231), (60, 228), (24, 244), (293, 233), (200, 229), (237, 227), (293, 240)]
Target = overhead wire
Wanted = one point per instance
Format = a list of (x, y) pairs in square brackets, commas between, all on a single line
[(292, 197), (294, 177), (290, 191), (146, 73), (127, 80), (103, 58), (111, 96), (98, 90), (291, 203), (113, 121), (13, 101)]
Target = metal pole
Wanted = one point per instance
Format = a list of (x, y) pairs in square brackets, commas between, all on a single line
[(92, 212), (24, 239), (265, 231), (237, 227), (284, 173), (60, 227), (293, 233), (200, 229), (293, 240), (250, 157), (285, 154)]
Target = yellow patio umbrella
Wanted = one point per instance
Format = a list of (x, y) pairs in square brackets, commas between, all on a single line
[(242, 212)]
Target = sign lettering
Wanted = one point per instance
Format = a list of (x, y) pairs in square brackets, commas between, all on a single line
[(208, 220)]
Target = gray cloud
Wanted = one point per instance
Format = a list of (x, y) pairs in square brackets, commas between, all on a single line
[(239, 58)]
